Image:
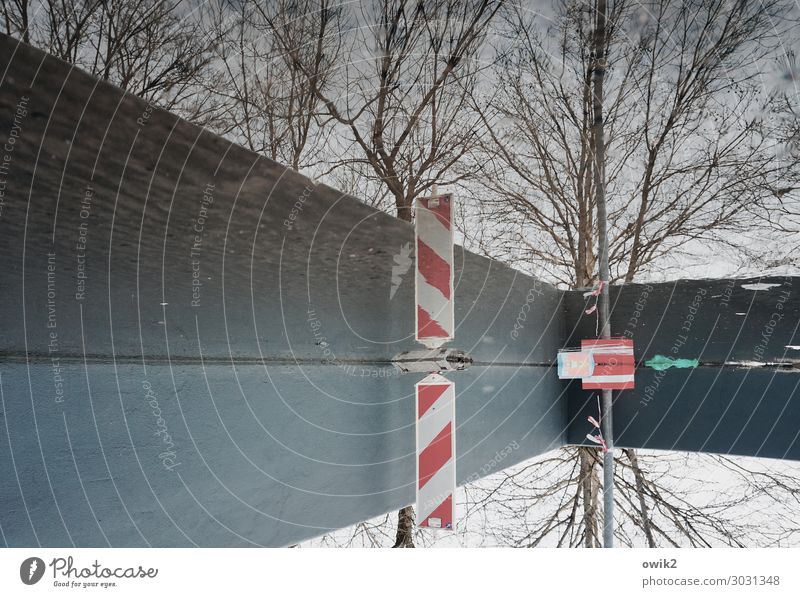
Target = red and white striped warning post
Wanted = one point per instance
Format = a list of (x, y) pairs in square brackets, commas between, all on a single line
[(435, 395), (614, 366), (436, 452), (434, 277)]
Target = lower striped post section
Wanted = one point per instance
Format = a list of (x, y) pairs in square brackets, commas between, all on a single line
[(436, 449)]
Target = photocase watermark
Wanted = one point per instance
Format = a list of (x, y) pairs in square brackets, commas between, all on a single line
[(727, 293), (681, 338), (429, 505), (67, 574), (145, 116), (774, 319), (80, 246), (168, 456), (402, 263), (31, 570), (52, 330), (522, 316), (9, 145), (288, 223), (494, 462), (638, 309), (198, 231), (329, 356)]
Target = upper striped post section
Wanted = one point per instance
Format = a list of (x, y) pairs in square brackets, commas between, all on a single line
[(434, 271), (613, 364), (436, 449)]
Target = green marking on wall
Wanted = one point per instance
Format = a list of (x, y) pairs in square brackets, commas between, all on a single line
[(660, 362)]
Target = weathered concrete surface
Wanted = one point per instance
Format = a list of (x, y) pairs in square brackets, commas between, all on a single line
[(266, 454), (718, 321), (223, 327), (744, 397)]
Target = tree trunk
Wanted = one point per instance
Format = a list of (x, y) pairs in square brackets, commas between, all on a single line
[(403, 209), (405, 528), (639, 477), (405, 517), (589, 493)]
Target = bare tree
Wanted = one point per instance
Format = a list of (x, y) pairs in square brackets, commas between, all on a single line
[(404, 89), (691, 140), (390, 97), (16, 18), (152, 48), (402, 102), (266, 96), (690, 134)]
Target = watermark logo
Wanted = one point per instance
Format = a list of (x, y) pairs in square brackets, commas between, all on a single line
[(522, 316), (31, 571), (402, 263), (297, 208)]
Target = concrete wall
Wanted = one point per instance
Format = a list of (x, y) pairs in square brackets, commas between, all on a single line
[(195, 341)]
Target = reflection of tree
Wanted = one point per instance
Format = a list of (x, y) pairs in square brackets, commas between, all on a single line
[(691, 138), (146, 47), (692, 134), (387, 98), (266, 96), (405, 91)]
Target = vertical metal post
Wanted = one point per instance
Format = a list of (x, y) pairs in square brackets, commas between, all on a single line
[(607, 422), (598, 74)]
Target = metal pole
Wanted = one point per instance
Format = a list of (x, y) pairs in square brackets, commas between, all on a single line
[(598, 75), (607, 422)]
